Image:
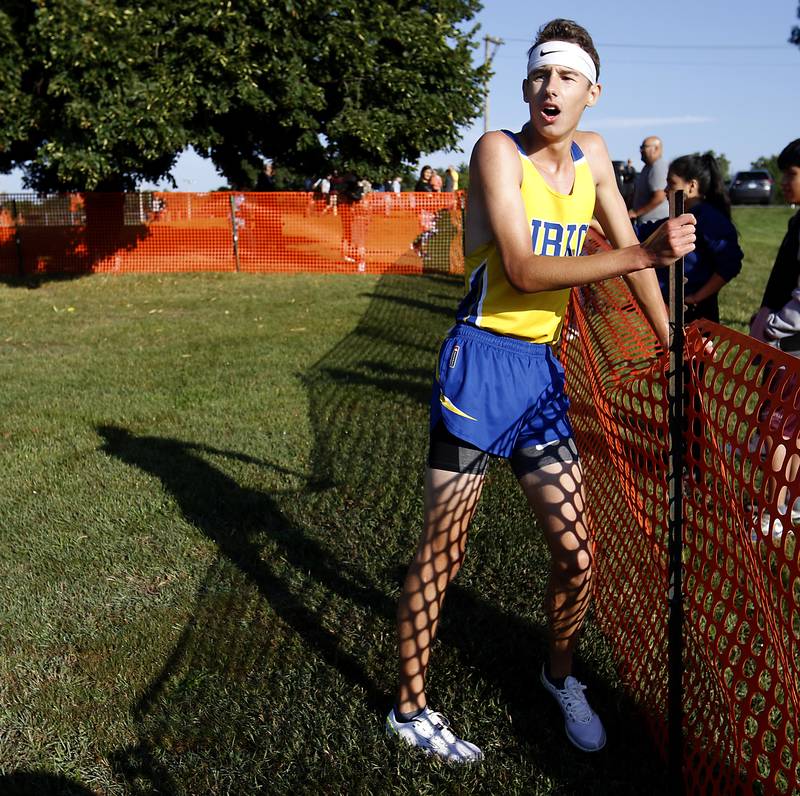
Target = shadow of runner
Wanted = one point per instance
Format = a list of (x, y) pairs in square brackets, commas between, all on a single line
[(235, 518)]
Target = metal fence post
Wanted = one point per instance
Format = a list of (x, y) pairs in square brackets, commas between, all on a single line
[(17, 239), (235, 229), (676, 408)]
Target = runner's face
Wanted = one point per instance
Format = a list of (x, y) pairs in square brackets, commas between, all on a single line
[(557, 96), (790, 184)]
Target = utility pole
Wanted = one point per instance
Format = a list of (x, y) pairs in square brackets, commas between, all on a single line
[(488, 55)]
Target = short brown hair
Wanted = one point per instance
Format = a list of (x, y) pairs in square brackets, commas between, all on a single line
[(567, 30)]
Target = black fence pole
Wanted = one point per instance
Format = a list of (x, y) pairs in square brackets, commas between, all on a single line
[(676, 406)]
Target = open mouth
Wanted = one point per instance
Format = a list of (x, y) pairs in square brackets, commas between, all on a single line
[(550, 111)]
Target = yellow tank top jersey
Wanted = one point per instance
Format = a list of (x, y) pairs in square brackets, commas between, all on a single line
[(558, 224)]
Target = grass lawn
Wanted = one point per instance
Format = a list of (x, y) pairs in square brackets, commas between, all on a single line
[(212, 487)]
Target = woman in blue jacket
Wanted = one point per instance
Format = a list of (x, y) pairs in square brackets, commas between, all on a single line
[(717, 257)]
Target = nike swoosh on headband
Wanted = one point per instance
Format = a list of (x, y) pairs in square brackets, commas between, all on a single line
[(564, 53)]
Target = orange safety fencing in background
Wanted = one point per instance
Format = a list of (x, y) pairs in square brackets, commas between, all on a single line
[(742, 513), (252, 232)]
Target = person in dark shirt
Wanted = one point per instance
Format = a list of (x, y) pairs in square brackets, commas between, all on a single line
[(424, 184), (777, 321), (266, 180), (427, 217), (717, 257)]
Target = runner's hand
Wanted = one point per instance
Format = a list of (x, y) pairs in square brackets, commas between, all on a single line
[(671, 240)]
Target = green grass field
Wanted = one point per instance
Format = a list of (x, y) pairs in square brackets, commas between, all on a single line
[(211, 488)]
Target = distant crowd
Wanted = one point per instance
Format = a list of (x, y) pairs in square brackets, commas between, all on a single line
[(716, 260), (718, 257), (335, 184)]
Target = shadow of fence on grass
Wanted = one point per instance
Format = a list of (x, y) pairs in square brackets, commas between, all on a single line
[(37, 783), (288, 662)]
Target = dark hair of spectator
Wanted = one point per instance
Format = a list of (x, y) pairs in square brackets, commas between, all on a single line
[(790, 155), (705, 170), (567, 30), (423, 170)]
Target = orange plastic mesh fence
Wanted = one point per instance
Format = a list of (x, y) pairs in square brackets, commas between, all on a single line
[(254, 232), (741, 557)]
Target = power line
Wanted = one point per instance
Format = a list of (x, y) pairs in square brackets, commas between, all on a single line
[(679, 46), (724, 64)]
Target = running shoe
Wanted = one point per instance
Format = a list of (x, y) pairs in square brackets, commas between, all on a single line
[(582, 724), (430, 732)]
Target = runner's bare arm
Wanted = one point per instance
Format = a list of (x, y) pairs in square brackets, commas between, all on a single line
[(612, 214), (496, 211)]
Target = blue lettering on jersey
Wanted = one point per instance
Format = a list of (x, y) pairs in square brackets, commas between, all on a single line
[(582, 230), (558, 240), (553, 234), (536, 226)]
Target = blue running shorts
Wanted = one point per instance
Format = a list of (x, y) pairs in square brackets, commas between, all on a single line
[(501, 394)]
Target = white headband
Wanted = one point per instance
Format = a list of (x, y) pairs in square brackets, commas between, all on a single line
[(563, 53)]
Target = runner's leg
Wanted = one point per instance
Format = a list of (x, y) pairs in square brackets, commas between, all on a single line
[(450, 502), (555, 494)]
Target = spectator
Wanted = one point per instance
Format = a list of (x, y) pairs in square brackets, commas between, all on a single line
[(427, 218), (436, 181), (355, 219), (395, 186), (649, 195), (424, 182), (777, 321), (266, 180), (717, 257), (322, 193), (450, 179), (628, 183)]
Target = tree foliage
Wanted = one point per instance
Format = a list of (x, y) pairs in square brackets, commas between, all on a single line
[(722, 161), (100, 94), (794, 36), (770, 163)]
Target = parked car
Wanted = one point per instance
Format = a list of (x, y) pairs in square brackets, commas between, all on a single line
[(751, 187)]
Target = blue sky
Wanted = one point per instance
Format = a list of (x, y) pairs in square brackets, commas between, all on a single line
[(702, 75)]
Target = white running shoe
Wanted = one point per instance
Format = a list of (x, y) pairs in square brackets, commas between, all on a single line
[(430, 731), (582, 724)]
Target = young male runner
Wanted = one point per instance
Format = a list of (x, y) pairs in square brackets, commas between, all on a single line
[(499, 387)]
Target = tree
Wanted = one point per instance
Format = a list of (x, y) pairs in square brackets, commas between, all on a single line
[(722, 161), (463, 175), (794, 36), (101, 94)]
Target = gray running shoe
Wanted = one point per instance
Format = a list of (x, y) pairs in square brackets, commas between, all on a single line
[(582, 724)]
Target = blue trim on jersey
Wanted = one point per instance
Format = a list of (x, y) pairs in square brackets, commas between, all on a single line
[(575, 150), (471, 306), (514, 139)]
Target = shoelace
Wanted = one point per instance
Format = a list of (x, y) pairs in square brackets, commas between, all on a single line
[(575, 703), (442, 725)]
